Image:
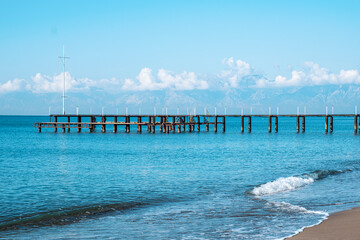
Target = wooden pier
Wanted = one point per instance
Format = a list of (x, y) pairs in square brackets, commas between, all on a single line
[(176, 123)]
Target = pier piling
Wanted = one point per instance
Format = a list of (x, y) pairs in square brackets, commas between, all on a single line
[(326, 124), (276, 124), (297, 124), (215, 124), (242, 124), (249, 125), (223, 121), (68, 120), (269, 124), (331, 124), (303, 124), (355, 124)]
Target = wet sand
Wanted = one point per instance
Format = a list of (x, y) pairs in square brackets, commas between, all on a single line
[(341, 225)]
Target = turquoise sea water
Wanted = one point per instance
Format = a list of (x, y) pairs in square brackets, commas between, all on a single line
[(174, 186)]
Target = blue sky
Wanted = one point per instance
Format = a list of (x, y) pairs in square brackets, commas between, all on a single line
[(179, 53)]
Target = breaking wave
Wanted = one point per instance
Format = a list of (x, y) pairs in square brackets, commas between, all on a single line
[(287, 207), (294, 182)]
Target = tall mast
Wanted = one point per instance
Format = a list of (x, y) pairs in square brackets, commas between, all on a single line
[(63, 60)]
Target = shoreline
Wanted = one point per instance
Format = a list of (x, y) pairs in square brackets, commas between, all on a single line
[(339, 225)]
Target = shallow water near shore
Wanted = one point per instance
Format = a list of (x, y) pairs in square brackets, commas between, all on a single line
[(174, 186)]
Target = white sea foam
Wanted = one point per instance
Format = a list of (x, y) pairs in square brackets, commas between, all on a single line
[(281, 185), (287, 207)]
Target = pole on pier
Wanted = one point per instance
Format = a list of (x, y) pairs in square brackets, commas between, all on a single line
[(270, 124), (297, 124), (139, 124), (331, 124), (79, 124), (326, 124), (242, 124), (276, 124), (249, 125), (215, 124), (355, 124), (115, 125), (55, 120), (359, 124), (303, 124), (223, 124), (68, 120)]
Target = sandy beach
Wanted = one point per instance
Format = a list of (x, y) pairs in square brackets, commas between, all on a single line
[(341, 225)]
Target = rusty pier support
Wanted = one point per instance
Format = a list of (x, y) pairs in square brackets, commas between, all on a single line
[(198, 123), (103, 126), (297, 124), (331, 124), (242, 124), (139, 130), (115, 125), (68, 124), (153, 126), (215, 124), (276, 124), (326, 124), (55, 120), (303, 124), (249, 125), (355, 124), (79, 124), (270, 124), (223, 124)]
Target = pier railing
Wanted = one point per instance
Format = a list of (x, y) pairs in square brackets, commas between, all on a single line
[(177, 123)]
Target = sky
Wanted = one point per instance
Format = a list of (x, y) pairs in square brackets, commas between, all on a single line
[(238, 55)]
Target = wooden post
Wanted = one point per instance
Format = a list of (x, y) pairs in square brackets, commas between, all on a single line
[(326, 124), (184, 120), (63, 127), (303, 124), (103, 126), (359, 124), (161, 124), (297, 124), (198, 123), (270, 124), (154, 122), (55, 120), (39, 127), (223, 124), (68, 120), (90, 125), (215, 124), (149, 126), (276, 124), (173, 125), (207, 127), (249, 125), (115, 125), (355, 124), (79, 125), (242, 124), (179, 128), (331, 124), (139, 125)]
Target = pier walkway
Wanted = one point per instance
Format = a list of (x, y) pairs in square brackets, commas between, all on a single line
[(177, 123)]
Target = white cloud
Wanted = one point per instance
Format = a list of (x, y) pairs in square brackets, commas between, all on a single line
[(313, 76), (11, 86), (236, 70), (165, 80)]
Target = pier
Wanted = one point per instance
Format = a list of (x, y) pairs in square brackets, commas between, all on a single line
[(177, 123)]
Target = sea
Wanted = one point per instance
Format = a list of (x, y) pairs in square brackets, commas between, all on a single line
[(198, 185)]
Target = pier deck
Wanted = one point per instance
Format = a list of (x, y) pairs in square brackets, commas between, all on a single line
[(177, 123)]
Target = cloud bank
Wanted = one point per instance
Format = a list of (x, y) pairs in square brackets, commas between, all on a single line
[(237, 74)]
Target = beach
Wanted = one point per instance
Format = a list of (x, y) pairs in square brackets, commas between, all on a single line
[(340, 225)]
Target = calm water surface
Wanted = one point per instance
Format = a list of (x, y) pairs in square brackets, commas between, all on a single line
[(174, 186)]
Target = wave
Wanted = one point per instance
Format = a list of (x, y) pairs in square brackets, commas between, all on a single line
[(284, 184), (68, 216), (287, 207)]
